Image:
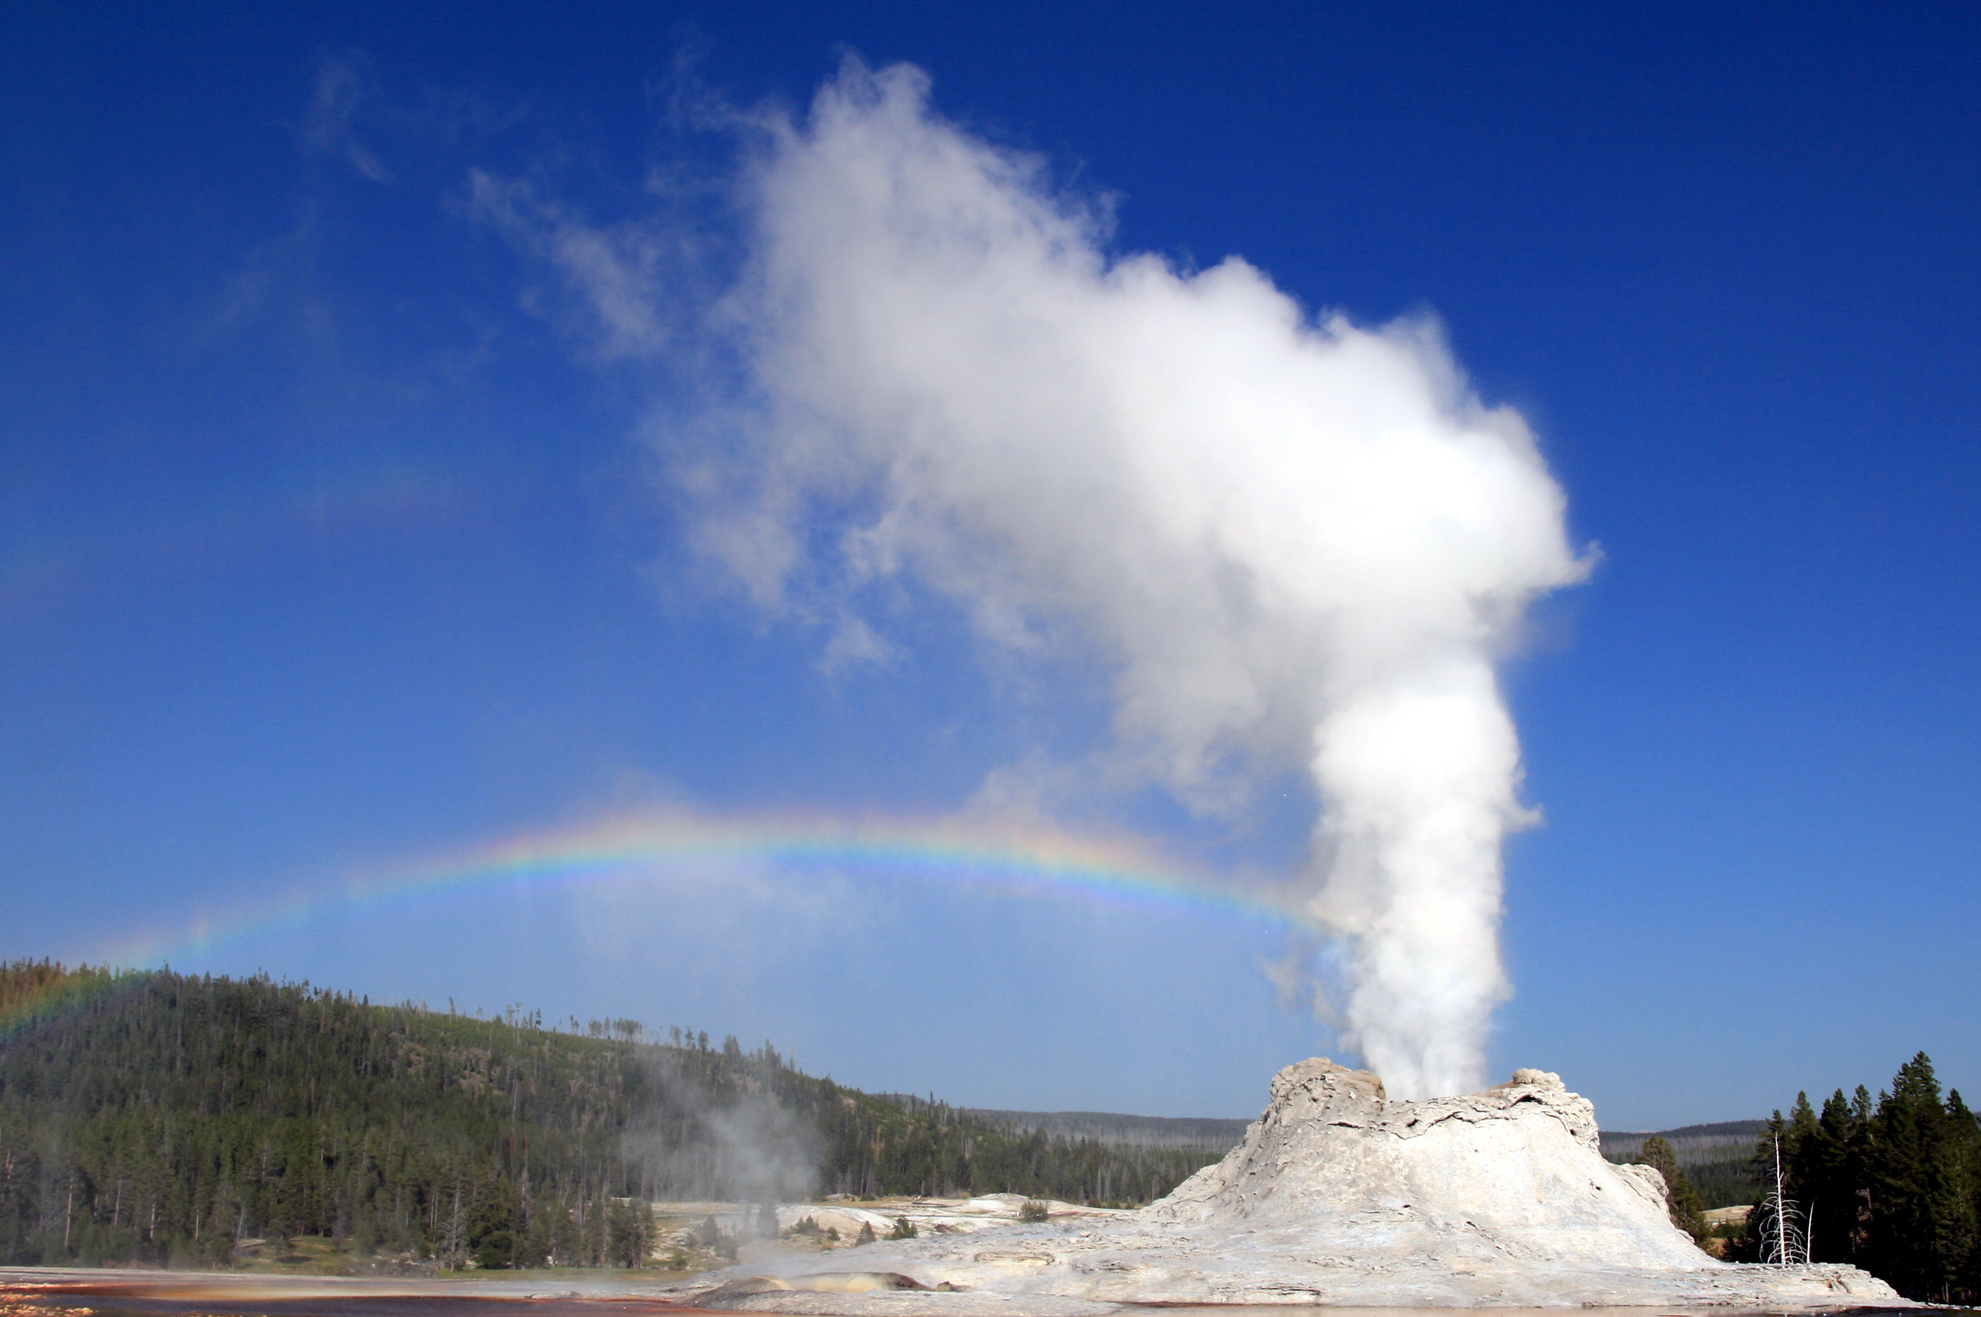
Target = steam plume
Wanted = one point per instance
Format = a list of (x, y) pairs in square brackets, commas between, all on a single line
[(1296, 541)]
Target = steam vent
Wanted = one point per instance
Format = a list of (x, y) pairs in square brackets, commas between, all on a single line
[(1338, 1196)]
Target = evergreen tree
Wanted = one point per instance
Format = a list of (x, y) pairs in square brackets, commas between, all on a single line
[(1907, 1135), (1829, 1170), (1681, 1199), (630, 1232), (495, 1230)]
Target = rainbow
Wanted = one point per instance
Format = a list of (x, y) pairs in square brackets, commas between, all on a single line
[(1031, 863), (30, 992)]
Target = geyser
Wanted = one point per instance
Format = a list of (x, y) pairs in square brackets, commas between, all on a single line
[(1293, 538), (1340, 1196), (1296, 542)]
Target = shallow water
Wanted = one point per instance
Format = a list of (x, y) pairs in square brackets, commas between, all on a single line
[(411, 1306), (160, 1294)]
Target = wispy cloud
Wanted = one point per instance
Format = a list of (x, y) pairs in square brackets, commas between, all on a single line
[(342, 90)]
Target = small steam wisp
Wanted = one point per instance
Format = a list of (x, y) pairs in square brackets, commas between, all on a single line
[(1296, 542)]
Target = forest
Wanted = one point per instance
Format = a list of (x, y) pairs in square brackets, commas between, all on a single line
[(1891, 1184), (1713, 1157), (147, 1116)]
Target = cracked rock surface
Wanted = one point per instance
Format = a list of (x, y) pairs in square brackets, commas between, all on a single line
[(1339, 1196)]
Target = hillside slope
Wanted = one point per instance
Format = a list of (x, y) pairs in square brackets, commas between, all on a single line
[(1714, 1157), (152, 1116), (1117, 1129)]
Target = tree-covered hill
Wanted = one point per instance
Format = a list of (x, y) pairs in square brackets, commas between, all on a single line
[(158, 1117), (1118, 1130), (1713, 1157)]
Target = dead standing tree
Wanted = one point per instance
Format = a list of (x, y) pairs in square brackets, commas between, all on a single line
[(1784, 1237)]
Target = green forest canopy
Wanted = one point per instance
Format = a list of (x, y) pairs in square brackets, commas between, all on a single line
[(146, 1115)]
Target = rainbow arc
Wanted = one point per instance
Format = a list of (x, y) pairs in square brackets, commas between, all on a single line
[(672, 849)]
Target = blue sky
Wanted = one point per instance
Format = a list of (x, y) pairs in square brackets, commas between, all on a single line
[(336, 536)]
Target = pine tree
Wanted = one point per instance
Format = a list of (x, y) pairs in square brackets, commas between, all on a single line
[(1905, 1147), (1829, 1173), (1681, 1199), (630, 1232)]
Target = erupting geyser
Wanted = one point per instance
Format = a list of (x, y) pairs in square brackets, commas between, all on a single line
[(1340, 1196), (1296, 541)]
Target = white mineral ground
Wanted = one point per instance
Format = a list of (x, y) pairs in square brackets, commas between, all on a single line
[(1336, 1196)]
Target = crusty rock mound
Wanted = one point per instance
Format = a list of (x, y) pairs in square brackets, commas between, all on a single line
[(1512, 1172), (1338, 1196)]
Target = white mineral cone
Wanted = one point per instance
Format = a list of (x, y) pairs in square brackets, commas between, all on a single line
[(1338, 1196)]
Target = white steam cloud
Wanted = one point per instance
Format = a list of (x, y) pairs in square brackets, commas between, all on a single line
[(1295, 541)]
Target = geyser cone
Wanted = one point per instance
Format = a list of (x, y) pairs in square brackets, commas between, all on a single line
[(1513, 1171), (1339, 1196)]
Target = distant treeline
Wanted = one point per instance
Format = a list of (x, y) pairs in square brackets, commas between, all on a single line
[(1117, 1130), (1713, 1157), (149, 1116), (1722, 1183)]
